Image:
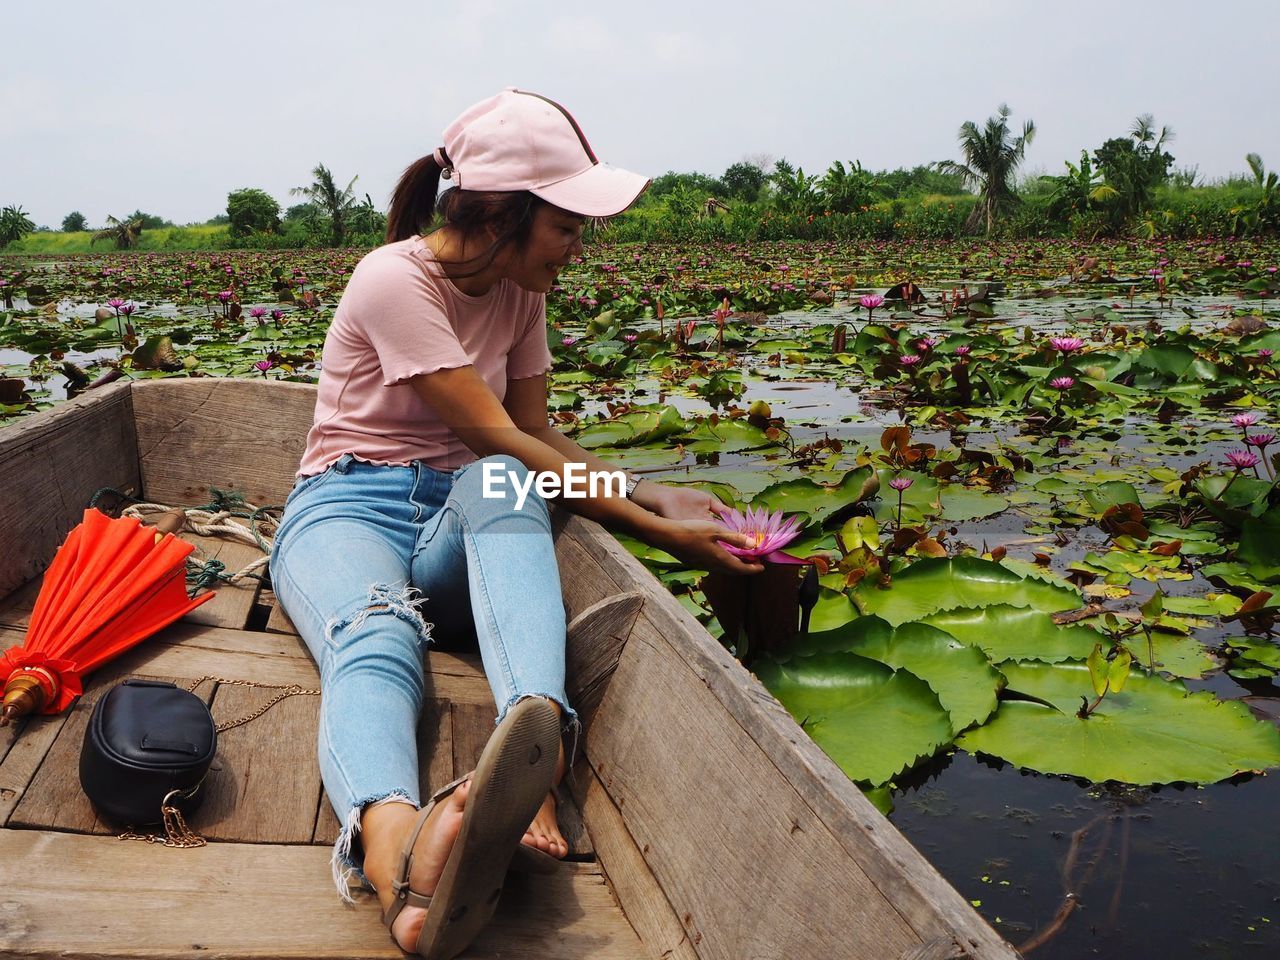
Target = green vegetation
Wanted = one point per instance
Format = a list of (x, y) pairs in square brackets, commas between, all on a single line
[(14, 225)]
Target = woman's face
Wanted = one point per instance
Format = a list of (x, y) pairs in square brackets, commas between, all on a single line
[(555, 239)]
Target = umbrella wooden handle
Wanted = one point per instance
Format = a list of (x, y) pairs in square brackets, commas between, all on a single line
[(171, 521)]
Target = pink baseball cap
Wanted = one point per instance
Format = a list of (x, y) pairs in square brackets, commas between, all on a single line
[(522, 141)]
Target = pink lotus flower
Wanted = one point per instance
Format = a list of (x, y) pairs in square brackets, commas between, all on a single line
[(127, 308), (963, 351), (115, 303), (871, 300), (1062, 383), (909, 359), (258, 312), (1261, 439), (262, 366), (770, 531), (1245, 419), (1066, 344), (901, 483), (1243, 459)]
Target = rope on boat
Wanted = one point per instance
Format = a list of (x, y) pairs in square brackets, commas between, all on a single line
[(227, 515)]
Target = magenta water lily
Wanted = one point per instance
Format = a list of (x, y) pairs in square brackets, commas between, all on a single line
[(1066, 345), (771, 531)]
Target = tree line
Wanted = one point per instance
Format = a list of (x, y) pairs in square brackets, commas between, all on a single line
[(1115, 189)]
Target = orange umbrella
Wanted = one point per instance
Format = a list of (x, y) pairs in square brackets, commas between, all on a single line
[(112, 584)]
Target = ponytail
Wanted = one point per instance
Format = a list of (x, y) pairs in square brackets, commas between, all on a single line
[(413, 202)]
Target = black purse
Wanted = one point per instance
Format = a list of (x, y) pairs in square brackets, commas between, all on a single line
[(147, 751), (148, 746)]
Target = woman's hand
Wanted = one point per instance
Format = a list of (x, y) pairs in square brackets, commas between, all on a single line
[(696, 543), (677, 502)]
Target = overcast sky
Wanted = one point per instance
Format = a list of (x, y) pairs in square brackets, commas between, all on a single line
[(166, 107)]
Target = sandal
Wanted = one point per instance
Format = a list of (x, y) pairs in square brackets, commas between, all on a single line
[(513, 775)]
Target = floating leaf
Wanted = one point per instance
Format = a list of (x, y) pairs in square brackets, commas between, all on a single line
[(1152, 732), (872, 720), (931, 585)]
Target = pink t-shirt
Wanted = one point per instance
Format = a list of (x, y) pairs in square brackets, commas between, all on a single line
[(399, 317)]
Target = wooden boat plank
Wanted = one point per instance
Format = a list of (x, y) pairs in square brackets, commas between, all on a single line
[(194, 435), (641, 898), (258, 790), (15, 609), (232, 602), (596, 636), (277, 620), (695, 789), (23, 747), (231, 900), (67, 454)]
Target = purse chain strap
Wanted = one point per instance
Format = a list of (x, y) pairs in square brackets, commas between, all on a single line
[(176, 831)]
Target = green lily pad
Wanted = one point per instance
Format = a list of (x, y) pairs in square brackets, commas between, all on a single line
[(872, 720), (961, 503), (629, 429), (1154, 731), (1006, 632), (945, 583), (1260, 546), (961, 675), (819, 501)]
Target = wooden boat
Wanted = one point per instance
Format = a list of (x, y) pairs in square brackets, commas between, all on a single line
[(704, 823)]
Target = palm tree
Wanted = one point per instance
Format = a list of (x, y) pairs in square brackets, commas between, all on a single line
[(124, 233), (336, 204), (991, 156), (14, 225)]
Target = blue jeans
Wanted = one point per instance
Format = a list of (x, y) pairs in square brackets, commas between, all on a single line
[(367, 562)]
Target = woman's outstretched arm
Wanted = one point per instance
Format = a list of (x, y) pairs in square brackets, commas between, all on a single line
[(469, 408)]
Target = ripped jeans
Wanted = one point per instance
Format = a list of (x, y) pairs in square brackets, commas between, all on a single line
[(369, 560)]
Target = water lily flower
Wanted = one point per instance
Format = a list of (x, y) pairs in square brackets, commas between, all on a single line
[(127, 308), (871, 301), (1242, 459), (900, 484), (770, 531), (1066, 345), (258, 312), (225, 295), (1245, 420), (115, 303), (1261, 440), (262, 366), (1265, 354), (630, 337), (1062, 383), (569, 341), (963, 351), (909, 359), (277, 314), (925, 344)]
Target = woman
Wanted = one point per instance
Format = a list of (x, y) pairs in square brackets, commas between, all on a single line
[(431, 416)]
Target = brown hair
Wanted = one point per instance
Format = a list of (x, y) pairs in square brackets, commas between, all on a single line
[(415, 206)]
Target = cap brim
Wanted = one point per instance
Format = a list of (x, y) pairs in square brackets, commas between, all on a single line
[(601, 191)]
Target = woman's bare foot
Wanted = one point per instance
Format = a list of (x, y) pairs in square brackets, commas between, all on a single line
[(385, 829), (544, 833)]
